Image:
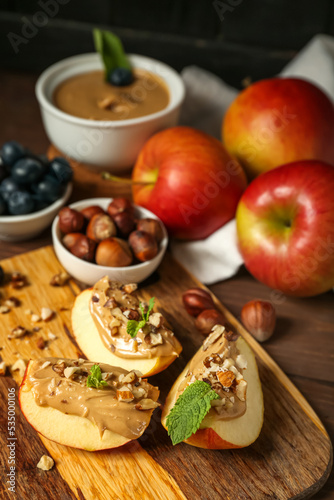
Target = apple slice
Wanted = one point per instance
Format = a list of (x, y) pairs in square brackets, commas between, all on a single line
[(69, 429), (91, 344), (217, 433)]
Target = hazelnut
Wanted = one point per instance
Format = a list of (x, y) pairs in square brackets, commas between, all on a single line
[(143, 245), (100, 227), (84, 248), (113, 252), (88, 212), (70, 221), (259, 317), (151, 226), (207, 319), (125, 223), (197, 300), (70, 239), (118, 205)]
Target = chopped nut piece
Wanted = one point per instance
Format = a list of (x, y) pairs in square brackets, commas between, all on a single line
[(18, 280), (146, 404), (241, 390), (231, 336), (216, 333), (17, 332), (106, 375), (130, 377), (111, 303), (156, 339), (114, 322), (4, 309), (46, 313), (241, 361), (70, 370), (124, 394), (28, 312), (44, 365), (51, 336), (130, 287), (45, 463), (131, 314), (59, 368), (156, 319), (226, 378), (12, 302), (40, 343), (107, 103), (35, 318), (139, 392), (237, 374), (19, 365), (228, 363), (60, 279), (2, 368)]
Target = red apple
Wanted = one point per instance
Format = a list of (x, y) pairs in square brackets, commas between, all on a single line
[(285, 225), (189, 181), (279, 121)]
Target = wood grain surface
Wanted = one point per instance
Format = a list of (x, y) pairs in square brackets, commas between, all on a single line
[(291, 459)]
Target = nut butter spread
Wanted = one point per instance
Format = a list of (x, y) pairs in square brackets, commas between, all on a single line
[(122, 406), (220, 364), (89, 96), (112, 305)]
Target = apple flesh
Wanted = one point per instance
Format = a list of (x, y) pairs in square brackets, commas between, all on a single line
[(89, 341), (285, 227), (189, 181), (278, 121), (218, 434), (69, 430)]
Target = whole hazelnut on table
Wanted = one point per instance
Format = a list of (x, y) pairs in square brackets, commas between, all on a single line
[(100, 227), (88, 212), (196, 300), (143, 245), (207, 319), (259, 317), (118, 205), (84, 248), (125, 223), (151, 226), (70, 221), (113, 252)]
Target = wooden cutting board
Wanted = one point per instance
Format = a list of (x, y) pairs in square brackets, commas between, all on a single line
[(292, 457)]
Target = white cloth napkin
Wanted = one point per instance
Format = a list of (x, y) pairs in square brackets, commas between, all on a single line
[(207, 98)]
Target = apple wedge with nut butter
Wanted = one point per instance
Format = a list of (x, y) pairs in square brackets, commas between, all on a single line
[(86, 405), (217, 401), (110, 324)]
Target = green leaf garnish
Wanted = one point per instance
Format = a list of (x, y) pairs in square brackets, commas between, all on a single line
[(111, 50), (133, 326), (189, 410), (95, 378)]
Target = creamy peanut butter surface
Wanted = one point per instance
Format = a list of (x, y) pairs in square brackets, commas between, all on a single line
[(220, 364), (89, 96), (123, 406), (112, 306)]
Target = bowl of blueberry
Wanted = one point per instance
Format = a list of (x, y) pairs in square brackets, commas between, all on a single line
[(32, 190)]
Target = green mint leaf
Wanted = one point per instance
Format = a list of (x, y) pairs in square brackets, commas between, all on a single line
[(94, 379), (111, 50), (133, 326), (189, 410)]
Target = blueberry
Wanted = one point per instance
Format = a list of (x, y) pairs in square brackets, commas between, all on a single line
[(48, 189), (61, 170), (27, 171), (20, 203), (3, 206), (120, 77), (11, 151), (3, 172), (7, 187)]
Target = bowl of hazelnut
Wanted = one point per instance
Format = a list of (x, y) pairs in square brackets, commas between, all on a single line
[(108, 237)]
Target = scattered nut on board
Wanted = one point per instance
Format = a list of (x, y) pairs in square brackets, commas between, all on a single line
[(45, 463), (46, 313), (59, 279), (19, 365), (2, 368)]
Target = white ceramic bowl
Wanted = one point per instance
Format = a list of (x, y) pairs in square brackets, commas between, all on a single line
[(112, 145), (89, 273), (25, 227)]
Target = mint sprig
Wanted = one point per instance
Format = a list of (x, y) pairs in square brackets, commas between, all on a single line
[(111, 50), (134, 326), (189, 410), (95, 378)]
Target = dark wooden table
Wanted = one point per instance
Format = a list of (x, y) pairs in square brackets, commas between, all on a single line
[(303, 343)]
